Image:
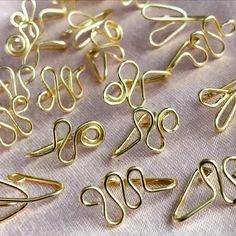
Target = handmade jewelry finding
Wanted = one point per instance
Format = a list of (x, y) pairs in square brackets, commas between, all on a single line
[(116, 179)]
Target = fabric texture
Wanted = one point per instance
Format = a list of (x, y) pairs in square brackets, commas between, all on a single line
[(195, 140)]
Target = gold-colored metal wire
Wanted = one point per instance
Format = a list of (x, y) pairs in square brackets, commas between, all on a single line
[(17, 210), (84, 27), (102, 33), (28, 41), (15, 83), (151, 122), (128, 84), (63, 9), (205, 179), (197, 49), (111, 34), (222, 99), (16, 178), (14, 114), (115, 179), (180, 18), (80, 136), (114, 51), (67, 80)]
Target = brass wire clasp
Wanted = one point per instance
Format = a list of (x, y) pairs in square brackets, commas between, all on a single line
[(150, 122), (115, 179), (80, 136), (14, 114), (67, 80)]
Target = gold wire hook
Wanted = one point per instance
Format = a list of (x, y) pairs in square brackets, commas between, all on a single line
[(79, 136), (105, 36), (116, 179), (199, 41), (109, 31), (182, 19), (201, 172), (66, 80), (149, 121), (110, 34), (221, 98), (125, 92)]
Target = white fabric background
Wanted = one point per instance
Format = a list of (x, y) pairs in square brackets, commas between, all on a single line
[(196, 139)]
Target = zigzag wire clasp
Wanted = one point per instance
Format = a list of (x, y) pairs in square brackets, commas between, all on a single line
[(67, 80), (115, 179)]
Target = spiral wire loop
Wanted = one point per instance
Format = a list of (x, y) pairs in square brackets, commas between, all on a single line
[(80, 136)]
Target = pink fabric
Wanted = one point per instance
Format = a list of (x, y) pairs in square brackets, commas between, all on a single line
[(195, 140)]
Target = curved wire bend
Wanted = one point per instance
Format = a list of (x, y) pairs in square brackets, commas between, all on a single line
[(63, 9), (16, 178), (110, 35), (223, 99), (123, 86), (114, 51), (151, 122), (200, 43), (15, 84), (115, 179), (205, 179), (127, 85), (17, 210), (179, 19), (79, 136), (104, 34), (197, 49), (83, 28), (28, 41), (14, 114), (67, 80)]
